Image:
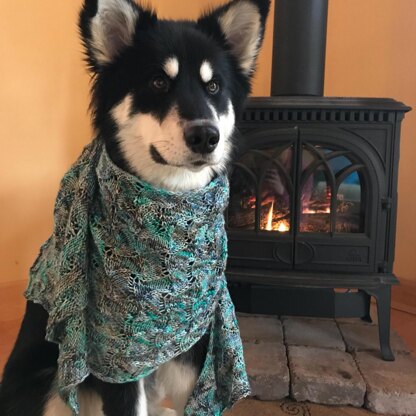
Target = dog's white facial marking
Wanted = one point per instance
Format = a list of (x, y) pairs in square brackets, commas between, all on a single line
[(241, 26), (136, 135), (171, 67), (112, 29), (139, 133), (206, 71), (226, 124), (121, 112)]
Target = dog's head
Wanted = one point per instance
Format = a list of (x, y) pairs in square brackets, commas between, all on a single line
[(166, 93)]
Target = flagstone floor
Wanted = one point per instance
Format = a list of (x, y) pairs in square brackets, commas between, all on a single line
[(328, 362), (250, 407)]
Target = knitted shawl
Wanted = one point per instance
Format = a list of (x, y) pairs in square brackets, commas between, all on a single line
[(133, 276)]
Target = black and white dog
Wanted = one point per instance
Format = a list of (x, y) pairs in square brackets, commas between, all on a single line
[(165, 97)]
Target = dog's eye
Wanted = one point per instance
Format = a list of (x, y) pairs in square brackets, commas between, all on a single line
[(213, 87), (160, 84)]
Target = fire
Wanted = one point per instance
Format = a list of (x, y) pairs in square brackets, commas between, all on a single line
[(316, 211), (269, 225), (281, 226)]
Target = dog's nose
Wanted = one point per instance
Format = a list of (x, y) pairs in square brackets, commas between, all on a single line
[(202, 139)]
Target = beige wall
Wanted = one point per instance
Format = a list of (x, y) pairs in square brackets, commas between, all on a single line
[(44, 98)]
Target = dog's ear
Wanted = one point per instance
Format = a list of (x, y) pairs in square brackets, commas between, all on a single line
[(241, 24), (108, 27)]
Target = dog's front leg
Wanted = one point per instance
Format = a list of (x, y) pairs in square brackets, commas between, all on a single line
[(127, 399), (177, 380)]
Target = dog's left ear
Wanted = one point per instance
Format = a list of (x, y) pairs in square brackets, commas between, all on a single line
[(241, 24)]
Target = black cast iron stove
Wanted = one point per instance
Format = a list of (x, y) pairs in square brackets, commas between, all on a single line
[(312, 214)]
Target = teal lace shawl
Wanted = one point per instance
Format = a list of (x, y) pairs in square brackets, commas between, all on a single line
[(133, 276)]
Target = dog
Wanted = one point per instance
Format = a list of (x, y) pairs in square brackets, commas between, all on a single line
[(165, 99)]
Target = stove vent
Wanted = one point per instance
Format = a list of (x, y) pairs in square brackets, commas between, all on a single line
[(298, 65)]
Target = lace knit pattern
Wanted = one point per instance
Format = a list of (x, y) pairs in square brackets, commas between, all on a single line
[(133, 276)]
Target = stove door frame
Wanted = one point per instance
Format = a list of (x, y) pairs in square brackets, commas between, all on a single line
[(303, 251), (246, 248), (355, 252)]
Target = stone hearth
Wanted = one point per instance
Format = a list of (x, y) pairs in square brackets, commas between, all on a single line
[(326, 361)]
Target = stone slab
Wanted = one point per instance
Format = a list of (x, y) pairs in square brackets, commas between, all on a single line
[(353, 321), (267, 369), (290, 317), (251, 407), (312, 332), (260, 328), (326, 376), (391, 385), (361, 337)]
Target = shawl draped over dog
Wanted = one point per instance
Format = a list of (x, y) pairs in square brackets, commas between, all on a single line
[(133, 276)]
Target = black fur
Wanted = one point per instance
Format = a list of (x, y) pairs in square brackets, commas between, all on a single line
[(31, 368)]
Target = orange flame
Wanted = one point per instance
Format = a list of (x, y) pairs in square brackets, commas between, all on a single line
[(269, 225), (282, 226)]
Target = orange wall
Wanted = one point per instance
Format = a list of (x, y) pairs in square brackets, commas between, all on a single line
[(44, 99), (371, 52)]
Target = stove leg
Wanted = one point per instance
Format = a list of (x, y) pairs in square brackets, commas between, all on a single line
[(382, 296), (367, 316)]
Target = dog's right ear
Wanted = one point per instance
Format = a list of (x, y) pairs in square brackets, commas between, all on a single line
[(108, 27), (240, 24)]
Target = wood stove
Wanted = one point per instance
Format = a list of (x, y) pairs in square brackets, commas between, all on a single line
[(312, 214)]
